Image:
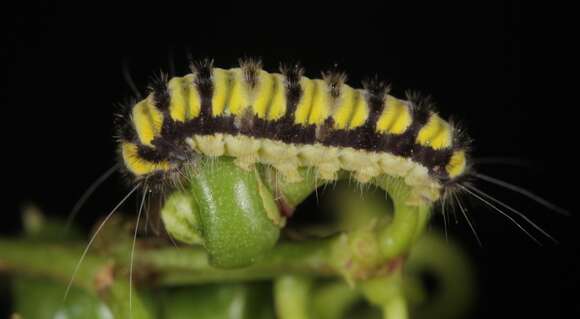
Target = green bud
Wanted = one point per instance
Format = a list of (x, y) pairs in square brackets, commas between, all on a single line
[(227, 209), (180, 217)]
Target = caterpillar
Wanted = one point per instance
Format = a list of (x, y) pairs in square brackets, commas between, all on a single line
[(289, 121)]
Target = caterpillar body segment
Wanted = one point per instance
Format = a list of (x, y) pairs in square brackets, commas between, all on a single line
[(289, 121)]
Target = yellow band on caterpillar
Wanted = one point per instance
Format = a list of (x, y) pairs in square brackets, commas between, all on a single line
[(361, 110), (239, 98), (457, 164), (261, 94), (194, 99), (137, 165), (178, 106), (277, 107), (305, 103), (221, 88), (320, 108), (435, 134), (344, 108), (396, 117), (148, 120)]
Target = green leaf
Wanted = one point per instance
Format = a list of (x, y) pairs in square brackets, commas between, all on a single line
[(36, 298)]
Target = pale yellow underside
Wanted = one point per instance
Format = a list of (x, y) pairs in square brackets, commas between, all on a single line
[(287, 158)]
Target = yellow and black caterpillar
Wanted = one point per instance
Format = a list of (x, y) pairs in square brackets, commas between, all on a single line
[(289, 121)]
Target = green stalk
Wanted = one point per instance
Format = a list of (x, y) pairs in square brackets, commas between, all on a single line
[(56, 261), (387, 292), (191, 265), (292, 297), (333, 300), (96, 274)]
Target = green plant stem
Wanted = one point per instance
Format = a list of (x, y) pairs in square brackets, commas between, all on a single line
[(292, 297), (57, 261), (448, 263), (387, 292), (171, 265), (407, 225), (190, 265), (186, 265), (176, 265), (117, 300), (396, 308), (338, 294)]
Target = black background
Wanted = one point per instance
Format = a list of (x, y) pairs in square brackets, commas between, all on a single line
[(484, 65)]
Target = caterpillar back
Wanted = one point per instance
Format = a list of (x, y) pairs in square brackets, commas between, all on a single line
[(289, 121)]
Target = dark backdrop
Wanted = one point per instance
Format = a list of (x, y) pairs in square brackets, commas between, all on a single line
[(62, 75)]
